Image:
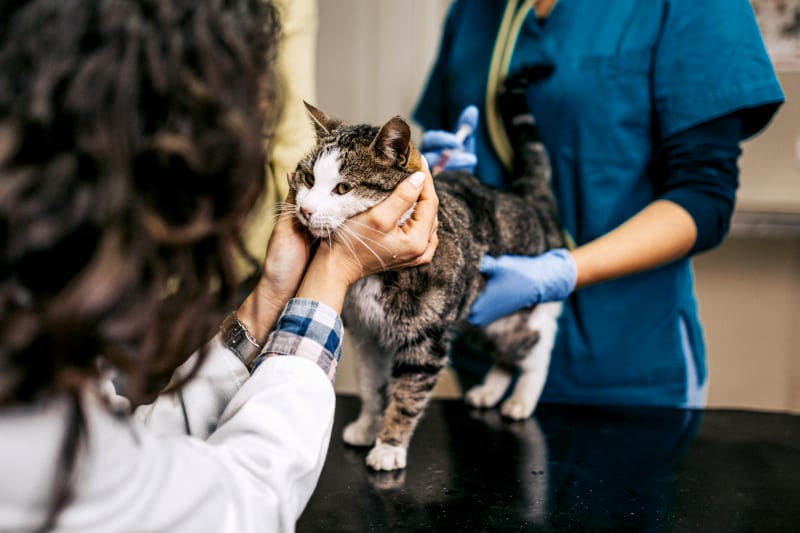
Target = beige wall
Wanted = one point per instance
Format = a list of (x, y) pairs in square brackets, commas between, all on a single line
[(748, 290), (373, 59)]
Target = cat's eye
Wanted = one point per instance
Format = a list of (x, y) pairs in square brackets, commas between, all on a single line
[(343, 188), (308, 179)]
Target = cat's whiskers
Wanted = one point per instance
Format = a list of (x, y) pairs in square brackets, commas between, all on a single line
[(280, 204), (364, 237), (283, 208), (345, 232), (367, 226), (277, 217), (349, 245)]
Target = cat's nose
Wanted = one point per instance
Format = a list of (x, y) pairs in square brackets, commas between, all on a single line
[(307, 212)]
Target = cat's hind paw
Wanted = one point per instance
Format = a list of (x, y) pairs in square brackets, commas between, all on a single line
[(386, 457), (517, 409), (483, 396), (360, 433)]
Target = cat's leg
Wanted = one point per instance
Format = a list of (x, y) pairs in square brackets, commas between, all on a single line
[(509, 339), (409, 394), (534, 365), (372, 369), (494, 385), (413, 378)]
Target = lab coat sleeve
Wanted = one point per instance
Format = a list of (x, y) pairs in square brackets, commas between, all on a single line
[(305, 329), (255, 472), (295, 419), (195, 409)]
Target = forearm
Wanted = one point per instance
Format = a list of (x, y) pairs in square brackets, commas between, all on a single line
[(260, 310), (661, 233), (699, 171), (325, 280), (324, 283)]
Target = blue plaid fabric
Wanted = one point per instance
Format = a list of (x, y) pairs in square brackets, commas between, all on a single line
[(310, 330)]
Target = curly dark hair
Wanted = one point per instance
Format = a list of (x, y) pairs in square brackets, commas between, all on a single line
[(131, 147)]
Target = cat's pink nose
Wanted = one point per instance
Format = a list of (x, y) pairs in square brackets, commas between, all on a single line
[(307, 212)]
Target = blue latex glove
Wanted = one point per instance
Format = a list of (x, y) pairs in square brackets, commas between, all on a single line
[(515, 282), (458, 146)]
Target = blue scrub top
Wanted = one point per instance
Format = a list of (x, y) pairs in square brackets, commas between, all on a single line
[(628, 73)]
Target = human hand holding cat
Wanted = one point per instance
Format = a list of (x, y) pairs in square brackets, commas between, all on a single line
[(376, 242), (406, 242), (517, 282), (287, 257), (392, 246)]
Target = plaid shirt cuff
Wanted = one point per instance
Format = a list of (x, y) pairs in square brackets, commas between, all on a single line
[(307, 329)]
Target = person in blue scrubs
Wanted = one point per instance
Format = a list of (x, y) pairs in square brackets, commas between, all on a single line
[(642, 116)]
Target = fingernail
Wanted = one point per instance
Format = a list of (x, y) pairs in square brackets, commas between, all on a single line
[(417, 179)]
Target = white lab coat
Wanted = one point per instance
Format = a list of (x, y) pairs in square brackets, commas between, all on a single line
[(255, 456)]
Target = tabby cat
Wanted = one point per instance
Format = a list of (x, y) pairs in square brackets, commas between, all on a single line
[(404, 322)]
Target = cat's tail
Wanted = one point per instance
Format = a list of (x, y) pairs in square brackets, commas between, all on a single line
[(531, 165), (532, 168)]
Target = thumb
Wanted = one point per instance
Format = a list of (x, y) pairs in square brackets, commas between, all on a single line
[(489, 265), (468, 117)]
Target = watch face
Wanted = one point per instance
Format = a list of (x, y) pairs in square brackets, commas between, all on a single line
[(238, 340), (237, 332)]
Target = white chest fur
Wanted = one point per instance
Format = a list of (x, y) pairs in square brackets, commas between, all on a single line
[(363, 307)]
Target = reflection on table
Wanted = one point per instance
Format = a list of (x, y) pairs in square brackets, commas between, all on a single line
[(569, 469)]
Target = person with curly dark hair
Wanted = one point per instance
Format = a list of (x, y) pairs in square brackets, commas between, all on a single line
[(131, 149)]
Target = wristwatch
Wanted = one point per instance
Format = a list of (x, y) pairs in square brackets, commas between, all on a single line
[(237, 339)]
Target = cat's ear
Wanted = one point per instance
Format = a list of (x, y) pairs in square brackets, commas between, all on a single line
[(392, 144), (323, 124)]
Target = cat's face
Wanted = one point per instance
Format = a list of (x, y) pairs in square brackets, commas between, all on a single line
[(351, 169)]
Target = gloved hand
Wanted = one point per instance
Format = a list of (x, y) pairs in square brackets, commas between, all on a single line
[(515, 282), (452, 150)]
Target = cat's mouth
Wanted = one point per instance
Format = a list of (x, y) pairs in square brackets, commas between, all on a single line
[(322, 233), (319, 228)]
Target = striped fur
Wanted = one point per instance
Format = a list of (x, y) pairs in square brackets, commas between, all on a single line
[(404, 322)]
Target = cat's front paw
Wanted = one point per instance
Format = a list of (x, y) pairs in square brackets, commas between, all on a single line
[(483, 396), (360, 433), (386, 457), (517, 408)]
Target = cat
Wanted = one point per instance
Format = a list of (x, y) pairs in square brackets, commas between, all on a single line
[(403, 322)]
